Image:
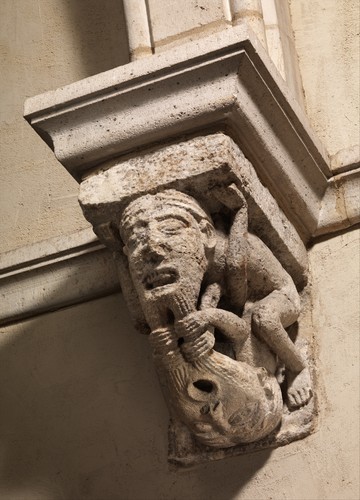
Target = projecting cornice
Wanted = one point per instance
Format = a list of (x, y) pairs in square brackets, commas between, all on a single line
[(224, 82)]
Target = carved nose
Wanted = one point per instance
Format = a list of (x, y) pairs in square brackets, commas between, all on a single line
[(209, 408), (155, 246)]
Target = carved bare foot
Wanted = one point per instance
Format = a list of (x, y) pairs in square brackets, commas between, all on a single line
[(299, 388)]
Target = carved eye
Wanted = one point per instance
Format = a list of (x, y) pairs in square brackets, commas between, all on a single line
[(172, 226), (201, 389), (236, 419), (204, 385)]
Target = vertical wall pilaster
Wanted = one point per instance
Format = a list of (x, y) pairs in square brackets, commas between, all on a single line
[(138, 28), (154, 27)]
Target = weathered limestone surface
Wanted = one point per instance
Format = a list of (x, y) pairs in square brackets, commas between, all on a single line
[(187, 225), (227, 76), (197, 166), (81, 397), (225, 82), (80, 418)]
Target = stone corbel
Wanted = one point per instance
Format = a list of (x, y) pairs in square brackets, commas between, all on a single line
[(200, 173), (210, 267)]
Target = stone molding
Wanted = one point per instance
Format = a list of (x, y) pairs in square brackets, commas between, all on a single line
[(54, 273)]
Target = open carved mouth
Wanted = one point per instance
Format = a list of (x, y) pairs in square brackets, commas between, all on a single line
[(160, 277)]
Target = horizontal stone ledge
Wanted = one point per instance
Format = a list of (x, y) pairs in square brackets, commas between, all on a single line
[(55, 273)]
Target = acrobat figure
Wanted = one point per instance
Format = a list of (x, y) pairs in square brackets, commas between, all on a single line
[(262, 293)]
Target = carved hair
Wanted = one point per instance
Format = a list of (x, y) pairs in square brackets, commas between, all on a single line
[(178, 199), (170, 197)]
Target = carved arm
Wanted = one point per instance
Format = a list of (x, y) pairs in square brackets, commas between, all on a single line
[(195, 323)]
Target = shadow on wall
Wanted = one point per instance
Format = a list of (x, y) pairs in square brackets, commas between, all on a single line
[(82, 415), (100, 30)]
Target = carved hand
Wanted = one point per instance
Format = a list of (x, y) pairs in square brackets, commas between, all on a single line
[(231, 325), (193, 325)]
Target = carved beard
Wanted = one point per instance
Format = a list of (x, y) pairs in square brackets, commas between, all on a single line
[(167, 304)]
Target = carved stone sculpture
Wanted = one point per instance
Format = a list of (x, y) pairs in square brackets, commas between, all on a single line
[(196, 283), (215, 300)]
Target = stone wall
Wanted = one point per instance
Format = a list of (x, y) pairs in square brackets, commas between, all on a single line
[(82, 414), (327, 42), (45, 45)]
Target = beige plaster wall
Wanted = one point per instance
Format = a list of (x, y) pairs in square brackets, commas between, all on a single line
[(327, 42), (45, 44), (83, 417)]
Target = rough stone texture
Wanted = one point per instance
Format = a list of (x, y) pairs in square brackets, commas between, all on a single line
[(213, 84), (85, 420), (222, 398), (195, 165), (81, 420), (215, 299)]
